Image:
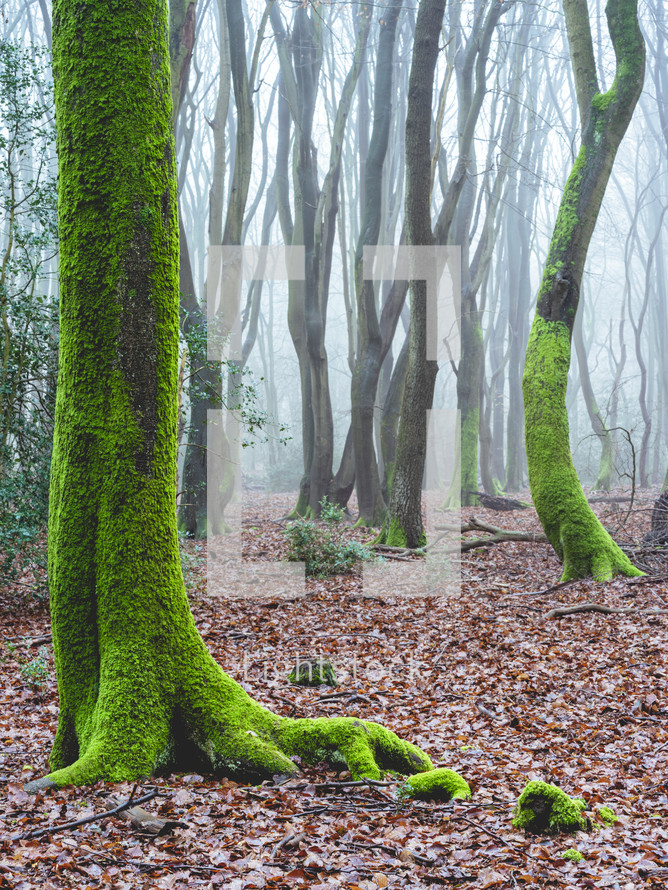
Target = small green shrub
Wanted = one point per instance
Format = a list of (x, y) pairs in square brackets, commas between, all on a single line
[(36, 671), (321, 547), (330, 513)]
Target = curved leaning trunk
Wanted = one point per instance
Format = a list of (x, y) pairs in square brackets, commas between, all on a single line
[(573, 529), (139, 692)]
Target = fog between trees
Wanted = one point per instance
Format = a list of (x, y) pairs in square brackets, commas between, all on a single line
[(290, 129)]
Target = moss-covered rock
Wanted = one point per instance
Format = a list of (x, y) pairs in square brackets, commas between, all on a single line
[(546, 809), (313, 672), (437, 784), (573, 855)]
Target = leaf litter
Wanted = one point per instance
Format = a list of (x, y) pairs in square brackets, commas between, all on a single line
[(482, 681)]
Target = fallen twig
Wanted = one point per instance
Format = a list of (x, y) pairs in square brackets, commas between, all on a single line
[(352, 697), (53, 829), (290, 840), (647, 579), (586, 607), (497, 837), (356, 846), (554, 587)]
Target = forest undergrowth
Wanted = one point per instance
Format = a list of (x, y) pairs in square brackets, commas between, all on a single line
[(483, 682)]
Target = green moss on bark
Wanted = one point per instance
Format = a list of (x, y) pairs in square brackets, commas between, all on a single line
[(393, 534), (574, 531), (469, 466)]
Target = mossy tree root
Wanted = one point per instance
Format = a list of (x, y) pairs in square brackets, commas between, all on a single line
[(393, 534), (196, 717)]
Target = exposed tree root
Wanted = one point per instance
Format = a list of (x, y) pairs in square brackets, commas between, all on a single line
[(200, 718)]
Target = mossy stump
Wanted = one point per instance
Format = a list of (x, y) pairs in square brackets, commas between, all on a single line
[(546, 809)]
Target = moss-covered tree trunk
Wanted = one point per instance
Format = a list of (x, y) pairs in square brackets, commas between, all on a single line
[(139, 691), (471, 369), (574, 531)]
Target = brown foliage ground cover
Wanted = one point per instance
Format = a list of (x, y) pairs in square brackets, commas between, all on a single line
[(482, 682)]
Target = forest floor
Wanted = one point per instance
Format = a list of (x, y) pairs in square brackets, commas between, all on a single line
[(481, 680)]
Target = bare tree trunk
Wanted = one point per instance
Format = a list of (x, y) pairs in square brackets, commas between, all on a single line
[(403, 523), (369, 337), (606, 466), (315, 229)]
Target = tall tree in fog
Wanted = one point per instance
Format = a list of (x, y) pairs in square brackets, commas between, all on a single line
[(403, 523), (574, 531), (454, 226), (139, 692), (371, 344), (314, 228), (205, 377)]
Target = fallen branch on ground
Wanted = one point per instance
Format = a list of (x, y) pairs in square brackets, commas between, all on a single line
[(290, 840), (554, 587), (143, 820), (497, 535), (586, 607), (53, 829), (498, 502)]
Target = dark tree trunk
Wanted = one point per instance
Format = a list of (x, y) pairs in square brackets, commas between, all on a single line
[(403, 523), (370, 353)]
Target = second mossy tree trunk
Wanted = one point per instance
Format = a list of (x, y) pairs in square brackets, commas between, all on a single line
[(574, 531), (139, 692)]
